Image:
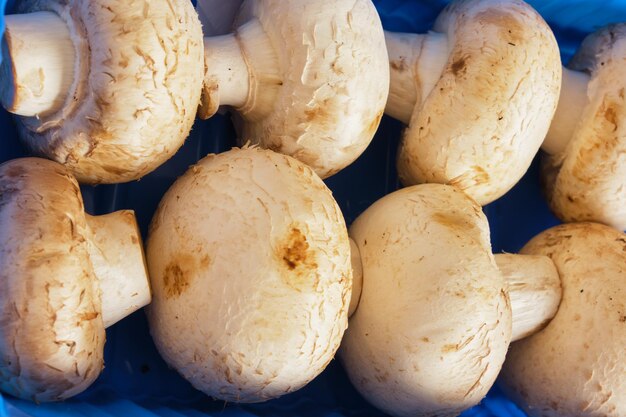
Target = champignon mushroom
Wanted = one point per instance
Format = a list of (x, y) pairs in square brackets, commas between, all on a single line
[(436, 313), (306, 79), (585, 169), (66, 276), (477, 94), (575, 366), (111, 89), (249, 258)]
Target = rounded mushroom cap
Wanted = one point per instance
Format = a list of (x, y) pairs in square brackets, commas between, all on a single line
[(249, 259), (586, 181), (139, 74), (575, 366), (434, 321), (488, 114), (51, 333), (335, 80)]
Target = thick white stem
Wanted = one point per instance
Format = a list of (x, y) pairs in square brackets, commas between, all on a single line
[(534, 289), (416, 65), (227, 81), (37, 64), (357, 277), (242, 72), (117, 257), (572, 102)]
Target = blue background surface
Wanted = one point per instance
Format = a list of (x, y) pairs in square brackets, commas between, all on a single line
[(137, 382)]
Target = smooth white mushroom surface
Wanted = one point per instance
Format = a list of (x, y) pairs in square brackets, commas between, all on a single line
[(477, 94), (109, 88), (585, 169), (576, 365), (250, 264), (307, 78), (436, 312), (66, 276)]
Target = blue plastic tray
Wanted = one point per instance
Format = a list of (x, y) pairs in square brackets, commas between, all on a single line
[(137, 382)]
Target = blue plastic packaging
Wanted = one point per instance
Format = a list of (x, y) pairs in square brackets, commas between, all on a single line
[(136, 381)]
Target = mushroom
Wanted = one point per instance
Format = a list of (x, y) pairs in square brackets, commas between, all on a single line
[(437, 312), (111, 89), (575, 366), (66, 277), (585, 167), (249, 259), (477, 95), (306, 79)]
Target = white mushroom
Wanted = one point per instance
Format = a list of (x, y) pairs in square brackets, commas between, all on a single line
[(477, 94), (575, 366), (436, 313), (66, 276), (109, 88), (249, 259), (307, 79), (585, 170)]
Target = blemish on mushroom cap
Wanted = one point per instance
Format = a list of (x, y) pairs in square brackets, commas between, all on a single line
[(578, 358), (51, 332), (336, 81), (586, 181), (493, 104), (119, 131), (432, 304), (272, 302)]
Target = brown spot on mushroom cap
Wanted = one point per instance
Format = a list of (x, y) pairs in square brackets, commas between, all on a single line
[(458, 67), (180, 272), (298, 259), (177, 277)]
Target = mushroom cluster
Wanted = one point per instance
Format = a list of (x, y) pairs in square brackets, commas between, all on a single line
[(437, 312), (251, 276), (111, 89)]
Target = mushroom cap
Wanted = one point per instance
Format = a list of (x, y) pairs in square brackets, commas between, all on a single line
[(434, 322), (51, 334), (139, 74), (575, 366), (249, 259), (586, 181), (488, 114), (335, 83)]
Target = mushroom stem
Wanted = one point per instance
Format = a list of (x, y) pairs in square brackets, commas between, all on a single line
[(357, 277), (37, 67), (117, 257), (534, 290), (572, 102), (416, 63), (227, 71), (242, 72)]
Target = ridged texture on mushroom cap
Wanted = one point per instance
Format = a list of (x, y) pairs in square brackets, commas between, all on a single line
[(335, 85), (51, 332), (249, 259), (486, 118), (576, 366), (587, 181), (137, 88), (433, 324)]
